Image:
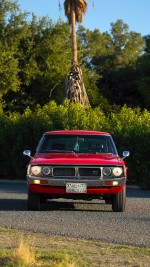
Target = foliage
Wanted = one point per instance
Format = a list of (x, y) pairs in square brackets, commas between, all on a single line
[(10, 34), (143, 67), (130, 129), (114, 58), (42, 65), (131, 132), (35, 57)]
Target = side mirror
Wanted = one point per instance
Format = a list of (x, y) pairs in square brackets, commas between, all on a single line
[(125, 154), (27, 153)]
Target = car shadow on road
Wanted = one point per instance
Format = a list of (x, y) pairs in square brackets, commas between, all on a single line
[(75, 206), (13, 188), (21, 205), (13, 204), (137, 193)]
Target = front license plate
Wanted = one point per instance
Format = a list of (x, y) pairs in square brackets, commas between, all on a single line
[(76, 188)]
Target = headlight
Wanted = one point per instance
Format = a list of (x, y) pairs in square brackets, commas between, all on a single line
[(117, 171), (35, 170), (46, 170), (106, 171)]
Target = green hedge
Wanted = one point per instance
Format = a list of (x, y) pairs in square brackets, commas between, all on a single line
[(130, 129)]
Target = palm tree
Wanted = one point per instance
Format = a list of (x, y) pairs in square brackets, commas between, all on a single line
[(75, 89)]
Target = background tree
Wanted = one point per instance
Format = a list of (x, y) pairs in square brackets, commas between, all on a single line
[(42, 52), (114, 58), (143, 67), (10, 33), (75, 89), (35, 57)]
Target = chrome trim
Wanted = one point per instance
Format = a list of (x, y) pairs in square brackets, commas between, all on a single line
[(90, 183)]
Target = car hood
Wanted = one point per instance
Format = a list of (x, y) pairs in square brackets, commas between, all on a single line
[(76, 159)]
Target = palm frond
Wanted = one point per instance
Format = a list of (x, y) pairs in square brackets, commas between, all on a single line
[(80, 7)]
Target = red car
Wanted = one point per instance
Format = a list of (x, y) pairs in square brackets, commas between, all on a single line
[(77, 164)]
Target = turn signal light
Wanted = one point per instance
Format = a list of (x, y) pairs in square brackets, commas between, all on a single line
[(44, 182), (111, 183)]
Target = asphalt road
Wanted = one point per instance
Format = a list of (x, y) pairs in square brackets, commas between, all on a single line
[(93, 220)]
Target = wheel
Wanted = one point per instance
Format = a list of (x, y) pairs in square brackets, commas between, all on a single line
[(43, 198), (34, 202), (108, 201), (119, 201)]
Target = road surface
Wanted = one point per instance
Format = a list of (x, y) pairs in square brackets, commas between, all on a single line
[(90, 220)]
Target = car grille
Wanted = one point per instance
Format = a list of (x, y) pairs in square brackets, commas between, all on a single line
[(89, 172), (63, 171), (76, 172)]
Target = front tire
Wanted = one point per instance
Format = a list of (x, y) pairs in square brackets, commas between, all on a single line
[(34, 202), (119, 201)]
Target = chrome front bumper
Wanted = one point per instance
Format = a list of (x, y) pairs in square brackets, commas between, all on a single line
[(61, 182)]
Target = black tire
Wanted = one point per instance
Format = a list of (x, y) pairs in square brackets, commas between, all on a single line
[(34, 202), (119, 201), (108, 201), (43, 198)]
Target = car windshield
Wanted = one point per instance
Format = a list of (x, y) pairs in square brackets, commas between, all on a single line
[(76, 144)]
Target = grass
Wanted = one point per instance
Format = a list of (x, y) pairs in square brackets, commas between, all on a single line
[(24, 255), (28, 249)]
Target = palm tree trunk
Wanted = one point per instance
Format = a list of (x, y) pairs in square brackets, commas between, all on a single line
[(75, 89), (74, 39)]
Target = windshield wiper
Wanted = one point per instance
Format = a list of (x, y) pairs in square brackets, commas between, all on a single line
[(57, 151), (95, 152)]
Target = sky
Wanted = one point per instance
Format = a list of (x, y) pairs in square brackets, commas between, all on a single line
[(135, 13)]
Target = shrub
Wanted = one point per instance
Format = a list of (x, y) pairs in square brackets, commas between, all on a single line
[(132, 132), (130, 129)]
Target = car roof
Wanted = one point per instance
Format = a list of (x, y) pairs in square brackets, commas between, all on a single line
[(80, 132)]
